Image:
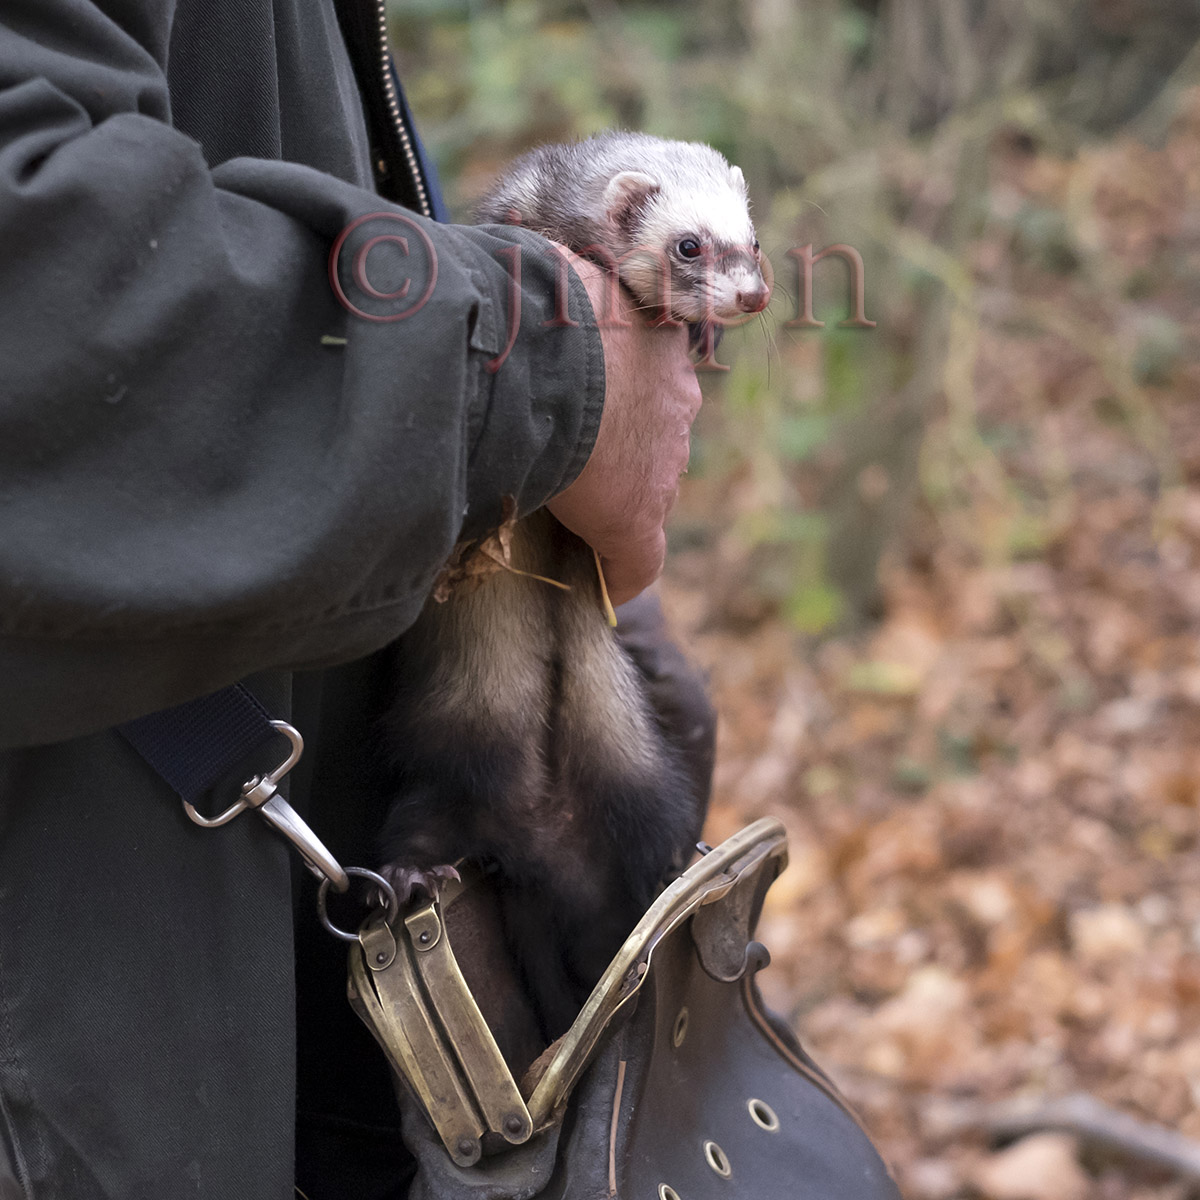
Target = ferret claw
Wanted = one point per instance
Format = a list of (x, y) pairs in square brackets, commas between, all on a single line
[(408, 881)]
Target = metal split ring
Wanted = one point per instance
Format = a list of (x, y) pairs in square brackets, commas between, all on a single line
[(386, 891)]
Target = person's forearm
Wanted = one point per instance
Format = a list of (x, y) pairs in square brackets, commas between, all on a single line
[(208, 466)]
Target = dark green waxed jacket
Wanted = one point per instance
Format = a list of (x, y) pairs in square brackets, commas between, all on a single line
[(212, 469)]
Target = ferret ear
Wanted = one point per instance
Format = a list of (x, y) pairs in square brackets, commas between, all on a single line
[(626, 195), (739, 180)]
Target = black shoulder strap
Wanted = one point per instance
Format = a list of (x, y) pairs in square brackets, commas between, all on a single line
[(196, 744)]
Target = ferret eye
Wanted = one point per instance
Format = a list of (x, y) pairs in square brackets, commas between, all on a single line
[(756, 246), (690, 248)]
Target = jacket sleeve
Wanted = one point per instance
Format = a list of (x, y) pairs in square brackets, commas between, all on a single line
[(209, 465)]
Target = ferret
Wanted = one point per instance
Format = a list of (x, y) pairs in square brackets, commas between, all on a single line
[(521, 732)]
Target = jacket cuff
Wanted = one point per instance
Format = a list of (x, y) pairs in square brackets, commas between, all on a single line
[(541, 381)]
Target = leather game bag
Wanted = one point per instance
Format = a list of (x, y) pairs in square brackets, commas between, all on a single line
[(674, 1082)]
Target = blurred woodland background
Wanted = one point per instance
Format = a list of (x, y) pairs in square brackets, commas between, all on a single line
[(944, 572)]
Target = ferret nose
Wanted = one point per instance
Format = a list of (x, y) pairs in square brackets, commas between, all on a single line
[(753, 301)]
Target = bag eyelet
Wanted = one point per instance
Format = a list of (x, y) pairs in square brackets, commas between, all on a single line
[(681, 1028), (763, 1115), (718, 1159)]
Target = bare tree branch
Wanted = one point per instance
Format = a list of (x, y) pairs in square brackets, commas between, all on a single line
[(1093, 1122)]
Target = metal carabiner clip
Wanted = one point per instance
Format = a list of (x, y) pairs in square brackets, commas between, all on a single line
[(262, 793)]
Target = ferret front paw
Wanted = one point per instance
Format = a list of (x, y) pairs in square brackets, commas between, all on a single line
[(407, 881)]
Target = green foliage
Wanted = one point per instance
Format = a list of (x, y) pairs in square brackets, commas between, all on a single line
[(814, 606), (1160, 347), (803, 434), (1044, 235), (658, 32), (846, 378)]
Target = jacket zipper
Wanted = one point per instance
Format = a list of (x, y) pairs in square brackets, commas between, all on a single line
[(399, 125)]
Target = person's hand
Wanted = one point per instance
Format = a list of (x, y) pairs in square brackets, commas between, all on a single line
[(620, 501)]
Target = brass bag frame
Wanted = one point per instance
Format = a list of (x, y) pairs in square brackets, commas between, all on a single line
[(406, 986)]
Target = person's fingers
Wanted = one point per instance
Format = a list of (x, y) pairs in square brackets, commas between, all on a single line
[(635, 569)]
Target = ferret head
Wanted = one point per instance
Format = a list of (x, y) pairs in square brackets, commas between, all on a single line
[(685, 235)]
